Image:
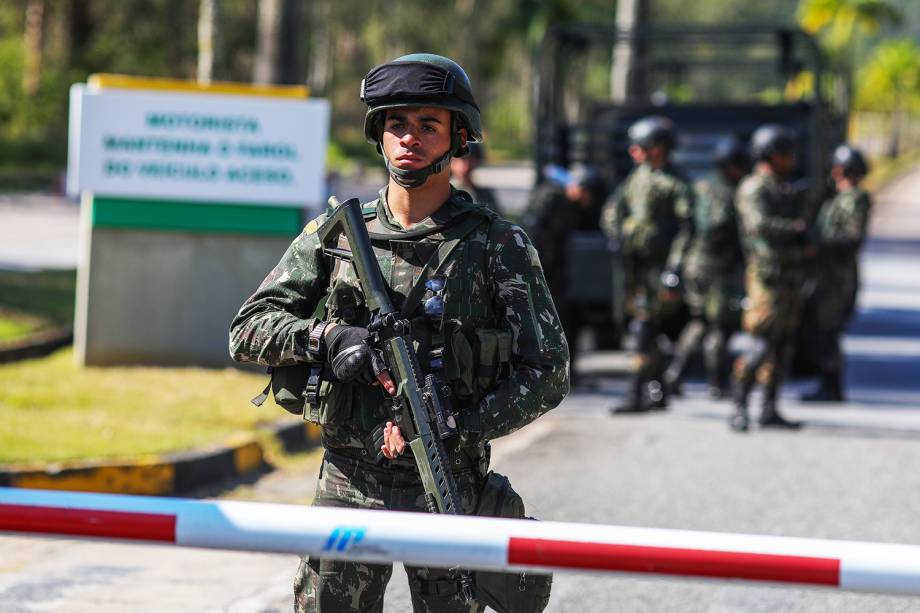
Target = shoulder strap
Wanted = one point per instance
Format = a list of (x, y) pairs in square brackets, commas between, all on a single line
[(433, 266)]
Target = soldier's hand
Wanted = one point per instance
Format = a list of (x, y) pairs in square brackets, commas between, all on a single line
[(394, 444), (353, 360), (799, 225)]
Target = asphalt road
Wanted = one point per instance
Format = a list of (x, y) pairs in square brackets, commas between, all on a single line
[(850, 473)]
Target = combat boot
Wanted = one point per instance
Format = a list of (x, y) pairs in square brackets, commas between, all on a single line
[(656, 395), (739, 421), (717, 389), (636, 401), (671, 383), (829, 390), (770, 417)]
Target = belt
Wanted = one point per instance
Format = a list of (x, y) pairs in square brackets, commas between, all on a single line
[(459, 458)]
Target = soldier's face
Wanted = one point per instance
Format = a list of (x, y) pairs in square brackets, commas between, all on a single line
[(783, 163), (415, 137)]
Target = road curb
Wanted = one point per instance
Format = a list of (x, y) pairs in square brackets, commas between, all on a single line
[(175, 473), (36, 345)]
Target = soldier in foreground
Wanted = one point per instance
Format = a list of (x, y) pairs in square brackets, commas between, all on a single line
[(485, 323), (775, 238), (841, 231), (461, 172), (713, 272), (650, 216)]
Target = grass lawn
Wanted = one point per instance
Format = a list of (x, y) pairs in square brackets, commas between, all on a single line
[(33, 301), (51, 410)]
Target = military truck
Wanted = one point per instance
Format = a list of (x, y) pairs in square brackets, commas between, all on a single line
[(593, 82)]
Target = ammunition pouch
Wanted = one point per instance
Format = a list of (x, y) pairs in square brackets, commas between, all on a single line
[(306, 390), (476, 359)]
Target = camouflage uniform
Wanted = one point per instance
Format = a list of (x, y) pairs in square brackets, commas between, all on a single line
[(650, 215), (713, 287), (777, 251), (841, 230), (495, 299), (549, 223)]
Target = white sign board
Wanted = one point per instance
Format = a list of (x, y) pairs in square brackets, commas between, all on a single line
[(201, 147)]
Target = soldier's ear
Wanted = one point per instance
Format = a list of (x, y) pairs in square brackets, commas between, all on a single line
[(462, 149)]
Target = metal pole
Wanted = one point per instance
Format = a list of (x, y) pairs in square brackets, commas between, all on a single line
[(462, 541)]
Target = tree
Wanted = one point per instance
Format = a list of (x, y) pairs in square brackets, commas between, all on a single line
[(890, 82), (209, 48), (839, 22), (34, 43)]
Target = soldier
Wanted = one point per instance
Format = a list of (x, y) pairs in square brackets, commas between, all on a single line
[(713, 271), (491, 332), (650, 216), (774, 236), (841, 230), (559, 205), (461, 172)]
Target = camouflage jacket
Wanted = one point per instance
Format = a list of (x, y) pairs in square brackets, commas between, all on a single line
[(716, 244), (772, 242), (494, 288), (650, 214), (549, 222), (841, 227)]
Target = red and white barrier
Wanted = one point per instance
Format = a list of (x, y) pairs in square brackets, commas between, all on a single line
[(469, 542)]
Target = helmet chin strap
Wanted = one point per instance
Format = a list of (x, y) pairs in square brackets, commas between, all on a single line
[(411, 179)]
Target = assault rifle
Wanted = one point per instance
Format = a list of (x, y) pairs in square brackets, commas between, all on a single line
[(422, 408)]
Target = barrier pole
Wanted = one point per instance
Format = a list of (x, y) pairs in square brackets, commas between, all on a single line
[(461, 541)]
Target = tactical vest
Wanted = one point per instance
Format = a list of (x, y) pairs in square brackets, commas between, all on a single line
[(463, 343)]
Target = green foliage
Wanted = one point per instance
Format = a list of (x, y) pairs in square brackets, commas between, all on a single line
[(890, 80), (339, 40), (839, 21), (48, 294), (34, 301), (54, 410)]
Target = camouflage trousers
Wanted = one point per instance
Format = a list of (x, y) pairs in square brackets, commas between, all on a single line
[(830, 308), (771, 315), (773, 305), (336, 586), (715, 296)]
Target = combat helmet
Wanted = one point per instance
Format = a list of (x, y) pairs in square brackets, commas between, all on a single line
[(652, 131), (421, 79), (771, 139), (731, 152), (851, 161)]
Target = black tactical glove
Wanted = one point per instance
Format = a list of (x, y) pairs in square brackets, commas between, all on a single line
[(349, 355)]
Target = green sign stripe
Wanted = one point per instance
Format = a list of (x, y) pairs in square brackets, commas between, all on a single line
[(195, 216)]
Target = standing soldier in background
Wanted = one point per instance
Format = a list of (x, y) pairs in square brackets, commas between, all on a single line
[(560, 205), (650, 216), (461, 177), (775, 238), (840, 230), (486, 292), (713, 271)]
